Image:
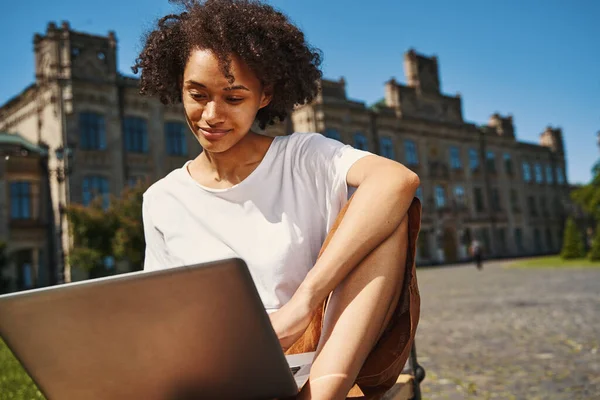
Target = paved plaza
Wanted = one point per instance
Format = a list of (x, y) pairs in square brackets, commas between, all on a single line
[(506, 333)]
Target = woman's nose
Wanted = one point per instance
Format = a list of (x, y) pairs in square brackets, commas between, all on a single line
[(213, 113)]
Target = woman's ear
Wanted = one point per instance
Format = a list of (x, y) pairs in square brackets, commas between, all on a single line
[(267, 96)]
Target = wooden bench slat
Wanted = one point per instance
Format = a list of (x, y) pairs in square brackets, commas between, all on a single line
[(402, 390)]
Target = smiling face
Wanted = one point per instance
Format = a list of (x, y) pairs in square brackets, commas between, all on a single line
[(218, 112)]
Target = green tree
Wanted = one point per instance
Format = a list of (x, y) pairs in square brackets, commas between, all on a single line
[(572, 243), (594, 253), (92, 228), (116, 232), (588, 196), (128, 242)]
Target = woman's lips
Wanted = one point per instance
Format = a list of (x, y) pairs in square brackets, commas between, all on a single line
[(213, 134)]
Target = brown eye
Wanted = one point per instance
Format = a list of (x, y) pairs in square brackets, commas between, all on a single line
[(197, 96)]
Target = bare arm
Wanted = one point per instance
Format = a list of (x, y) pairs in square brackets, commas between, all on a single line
[(385, 190)]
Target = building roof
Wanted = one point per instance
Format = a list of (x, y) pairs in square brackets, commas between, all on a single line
[(15, 99), (13, 139)]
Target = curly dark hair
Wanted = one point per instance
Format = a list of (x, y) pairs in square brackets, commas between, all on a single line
[(262, 37)]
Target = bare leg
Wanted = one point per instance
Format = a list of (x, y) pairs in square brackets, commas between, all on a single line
[(357, 314)]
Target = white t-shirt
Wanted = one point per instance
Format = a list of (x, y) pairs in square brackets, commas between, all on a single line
[(276, 219)]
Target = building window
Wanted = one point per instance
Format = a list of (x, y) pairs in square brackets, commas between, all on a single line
[(508, 167), (136, 134), (440, 196), (360, 142), (485, 236), (473, 159), (423, 245), (537, 240), (526, 172), (410, 148), (20, 200), (455, 158), (560, 177), (558, 207), (387, 148), (496, 206), (419, 193), (532, 206), (501, 234), (549, 175), (478, 195), (176, 140), (539, 174), (92, 131), (543, 206), (490, 161), (136, 180), (459, 195), (109, 263), (333, 134), (94, 186), (549, 241), (26, 278), (519, 238), (514, 201)]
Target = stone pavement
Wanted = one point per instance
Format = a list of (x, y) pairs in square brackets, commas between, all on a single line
[(506, 333)]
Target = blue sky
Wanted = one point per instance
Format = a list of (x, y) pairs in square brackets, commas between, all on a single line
[(536, 59)]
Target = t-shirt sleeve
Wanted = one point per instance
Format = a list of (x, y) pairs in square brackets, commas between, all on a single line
[(328, 162), (156, 256)]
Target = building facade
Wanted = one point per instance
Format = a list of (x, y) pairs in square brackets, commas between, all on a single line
[(26, 232), (477, 181)]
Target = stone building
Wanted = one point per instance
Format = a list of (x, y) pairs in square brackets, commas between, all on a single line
[(477, 181), (25, 216)]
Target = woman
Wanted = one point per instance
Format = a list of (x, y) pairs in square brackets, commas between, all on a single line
[(275, 202)]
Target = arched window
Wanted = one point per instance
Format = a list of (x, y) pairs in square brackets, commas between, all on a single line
[(473, 159), (175, 138), (135, 131), (92, 132), (526, 172), (440, 196), (455, 162), (410, 149), (20, 200), (387, 148)]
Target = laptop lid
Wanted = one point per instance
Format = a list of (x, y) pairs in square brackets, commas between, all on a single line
[(183, 333)]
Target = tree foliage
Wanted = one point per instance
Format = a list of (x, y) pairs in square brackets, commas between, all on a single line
[(128, 242), (100, 234), (588, 196), (594, 253), (573, 246)]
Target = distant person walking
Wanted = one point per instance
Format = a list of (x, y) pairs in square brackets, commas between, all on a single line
[(477, 253)]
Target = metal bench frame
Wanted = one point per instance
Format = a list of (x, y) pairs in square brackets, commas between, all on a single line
[(418, 372)]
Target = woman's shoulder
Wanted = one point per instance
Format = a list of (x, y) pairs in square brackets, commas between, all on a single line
[(173, 182), (306, 142)]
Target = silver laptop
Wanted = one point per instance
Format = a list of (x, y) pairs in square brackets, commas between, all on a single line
[(197, 332)]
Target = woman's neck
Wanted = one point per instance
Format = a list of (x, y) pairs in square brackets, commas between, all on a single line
[(232, 166)]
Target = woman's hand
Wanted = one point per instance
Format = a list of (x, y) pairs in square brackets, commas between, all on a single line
[(291, 320)]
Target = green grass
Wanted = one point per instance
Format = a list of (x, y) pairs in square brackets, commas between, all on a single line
[(554, 262), (15, 384)]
